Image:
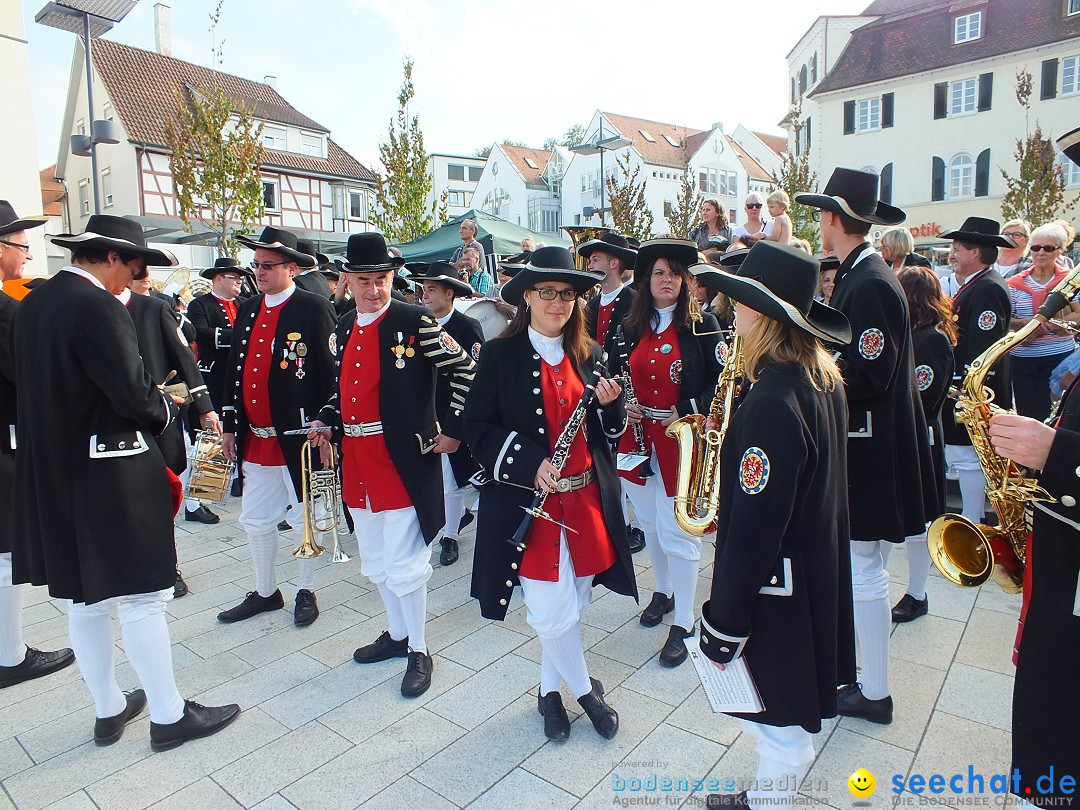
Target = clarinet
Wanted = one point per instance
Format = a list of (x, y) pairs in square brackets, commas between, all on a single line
[(631, 399), (558, 459)]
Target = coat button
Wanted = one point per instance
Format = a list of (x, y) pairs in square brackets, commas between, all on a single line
[(514, 566), (505, 477), (539, 430), (725, 649), (101, 447), (540, 411), (537, 374), (502, 602), (704, 639), (1068, 500), (509, 584), (509, 459), (136, 444), (121, 445), (517, 446), (772, 581), (536, 390)]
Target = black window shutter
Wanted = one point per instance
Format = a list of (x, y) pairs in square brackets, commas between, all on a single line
[(982, 173), (886, 184), (941, 95), (849, 117), (986, 91), (886, 110), (937, 191), (1049, 79), (808, 133)]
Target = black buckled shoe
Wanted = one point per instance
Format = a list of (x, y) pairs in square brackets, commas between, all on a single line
[(306, 609), (35, 664), (604, 718), (237, 488), (108, 730), (417, 678), (179, 587), (449, 553), (252, 605), (674, 651), (200, 515), (654, 612), (556, 721), (910, 608), (637, 539), (466, 519), (198, 721), (382, 649), (850, 702)]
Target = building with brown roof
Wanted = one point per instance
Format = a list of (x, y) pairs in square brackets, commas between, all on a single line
[(523, 186)]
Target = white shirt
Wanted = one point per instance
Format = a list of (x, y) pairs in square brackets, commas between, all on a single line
[(279, 298), (442, 321), (368, 318), (80, 272), (549, 348), (665, 314), (124, 297), (607, 298)]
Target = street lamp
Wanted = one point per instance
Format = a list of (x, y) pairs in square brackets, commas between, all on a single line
[(599, 146), (91, 19)]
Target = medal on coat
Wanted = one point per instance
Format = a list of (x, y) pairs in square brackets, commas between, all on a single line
[(399, 351), (665, 349), (753, 471), (300, 368)]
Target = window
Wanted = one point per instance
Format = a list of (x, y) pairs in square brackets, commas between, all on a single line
[(961, 180), (274, 138), (311, 145), (728, 184), (107, 111), (337, 201), (1070, 81), (556, 187), (531, 163), (496, 202), (802, 80), (813, 69), (869, 114), (647, 136), (84, 197), (456, 199), (1070, 170), (356, 205), (455, 171), (669, 209), (270, 195), (962, 97), (1073, 7), (548, 221), (475, 173), (80, 127), (106, 187), (707, 181), (967, 27), (671, 140)]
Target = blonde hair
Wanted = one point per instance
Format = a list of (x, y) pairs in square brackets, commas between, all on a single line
[(780, 196), (899, 241), (754, 196), (1070, 231), (769, 339), (803, 245)]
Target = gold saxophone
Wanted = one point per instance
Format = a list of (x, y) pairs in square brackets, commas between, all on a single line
[(968, 553), (697, 481)]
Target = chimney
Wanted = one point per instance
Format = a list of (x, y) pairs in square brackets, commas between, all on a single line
[(162, 29), (271, 81)]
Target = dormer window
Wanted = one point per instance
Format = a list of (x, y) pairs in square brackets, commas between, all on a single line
[(531, 163), (671, 140), (311, 144), (274, 137), (967, 27), (647, 136)]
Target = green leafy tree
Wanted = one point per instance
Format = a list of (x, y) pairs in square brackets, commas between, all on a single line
[(572, 137), (630, 215), (483, 151), (686, 209), (796, 178), (404, 184)]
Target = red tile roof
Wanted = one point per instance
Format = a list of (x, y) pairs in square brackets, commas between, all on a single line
[(658, 151), (777, 143), (519, 154), (753, 169), (52, 193)]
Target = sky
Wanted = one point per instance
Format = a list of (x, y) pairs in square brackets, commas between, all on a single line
[(485, 71)]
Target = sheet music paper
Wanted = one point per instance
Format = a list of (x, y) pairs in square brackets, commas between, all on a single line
[(730, 690), (629, 461)]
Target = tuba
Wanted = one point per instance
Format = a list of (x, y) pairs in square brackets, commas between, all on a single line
[(579, 235), (697, 481), (968, 553), (321, 505)]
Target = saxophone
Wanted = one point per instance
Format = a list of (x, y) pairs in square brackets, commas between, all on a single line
[(697, 482), (968, 553)]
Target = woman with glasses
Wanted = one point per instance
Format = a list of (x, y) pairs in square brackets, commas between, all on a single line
[(1012, 260), (754, 228), (1034, 360), (674, 370), (528, 384)]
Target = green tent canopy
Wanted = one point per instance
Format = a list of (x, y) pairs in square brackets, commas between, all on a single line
[(496, 235)]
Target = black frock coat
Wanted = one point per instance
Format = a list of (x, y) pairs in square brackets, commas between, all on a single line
[(933, 375), (296, 394), (468, 334), (314, 282), (507, 431), (890, 471), (407, 401), (93, 509), (164, 349), (982, 309), (1046, 701), (213, 336), (620, 307), (7, 420), (781, 587)]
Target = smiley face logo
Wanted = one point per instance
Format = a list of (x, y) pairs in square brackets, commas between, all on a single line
[(862, 784)]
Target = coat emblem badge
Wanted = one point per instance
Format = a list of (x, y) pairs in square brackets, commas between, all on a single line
[(331, 343), (676, 372), (721, 353), (448, 343), (475, 351), (924, 375), (871, 342), (753, 471), (988, 320)]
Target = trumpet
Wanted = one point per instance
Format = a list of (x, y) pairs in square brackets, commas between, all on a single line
[(321, 505)]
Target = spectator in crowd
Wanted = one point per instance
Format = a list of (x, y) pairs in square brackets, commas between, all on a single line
[(896, 245), (1066, 258), (528, 245), (779, 227), (802, 245), (1012, 260), (468, 230), (827, 277), (714, 223), (754, 226), (473, 273)]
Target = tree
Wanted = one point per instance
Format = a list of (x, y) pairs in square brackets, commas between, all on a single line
[(687, 205), (572, 137), (483, 151), (630, 214), (404, 184), (796, 178)]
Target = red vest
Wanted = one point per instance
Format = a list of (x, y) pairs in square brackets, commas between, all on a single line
[(369, 478), (590, 547), (255, 387), (603, 321), (656, 375)]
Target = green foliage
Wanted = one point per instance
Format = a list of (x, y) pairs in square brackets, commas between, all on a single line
[(1037, 192), (404, 185), (630, 215), (572, 137), (687, 206), (483, 151), (796, 178)]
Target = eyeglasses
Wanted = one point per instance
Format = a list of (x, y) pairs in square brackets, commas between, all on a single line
[(816, 215), (230, 277), (550, 293), (265, 265), (1015, 234), (15, 245), (753, 205), (1047, 248)]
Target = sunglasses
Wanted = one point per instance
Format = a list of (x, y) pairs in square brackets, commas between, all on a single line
[(753, 205), (550, 294), (15, 245), (1047, 248), (265, 265)]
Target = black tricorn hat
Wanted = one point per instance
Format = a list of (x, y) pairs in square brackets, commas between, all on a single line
[(444, 273), (308, 247), (115, 233), (515, 264), (369, 253), (780, 281), (681, 250), (979, 231), (403, 283), (612, 243), (281, 242), (827, 263), (10, 222), (225, 264), (551, 263), (854, 192), (1069, 144)]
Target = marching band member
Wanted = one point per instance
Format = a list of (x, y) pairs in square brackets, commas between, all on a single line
[(18, 662), (612, 256), (313, 279), (528, 384), (441, 287), (781, 585), (280, 373), (107, 544), (388, 356), (890, 473), (674, 372)]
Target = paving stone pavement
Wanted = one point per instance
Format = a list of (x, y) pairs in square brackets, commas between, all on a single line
[(319, 731)]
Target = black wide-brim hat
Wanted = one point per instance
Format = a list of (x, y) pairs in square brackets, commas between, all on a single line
[(226, 264), (308, 247), (854, 192), (282, 242), (828, 263), (443, 273), (979, 231), (681, 250), (403, 284), (780, 282), (1069, 144), (515, 264), (107, 232), (11, 223), (550, 263), (611, 243), (369, 253)]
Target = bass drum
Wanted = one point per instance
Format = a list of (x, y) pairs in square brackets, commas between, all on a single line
[(492, 322)]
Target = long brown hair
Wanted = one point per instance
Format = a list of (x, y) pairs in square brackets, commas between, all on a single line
[(769, 339), (927, 304), (575, 339), (642, 315)]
